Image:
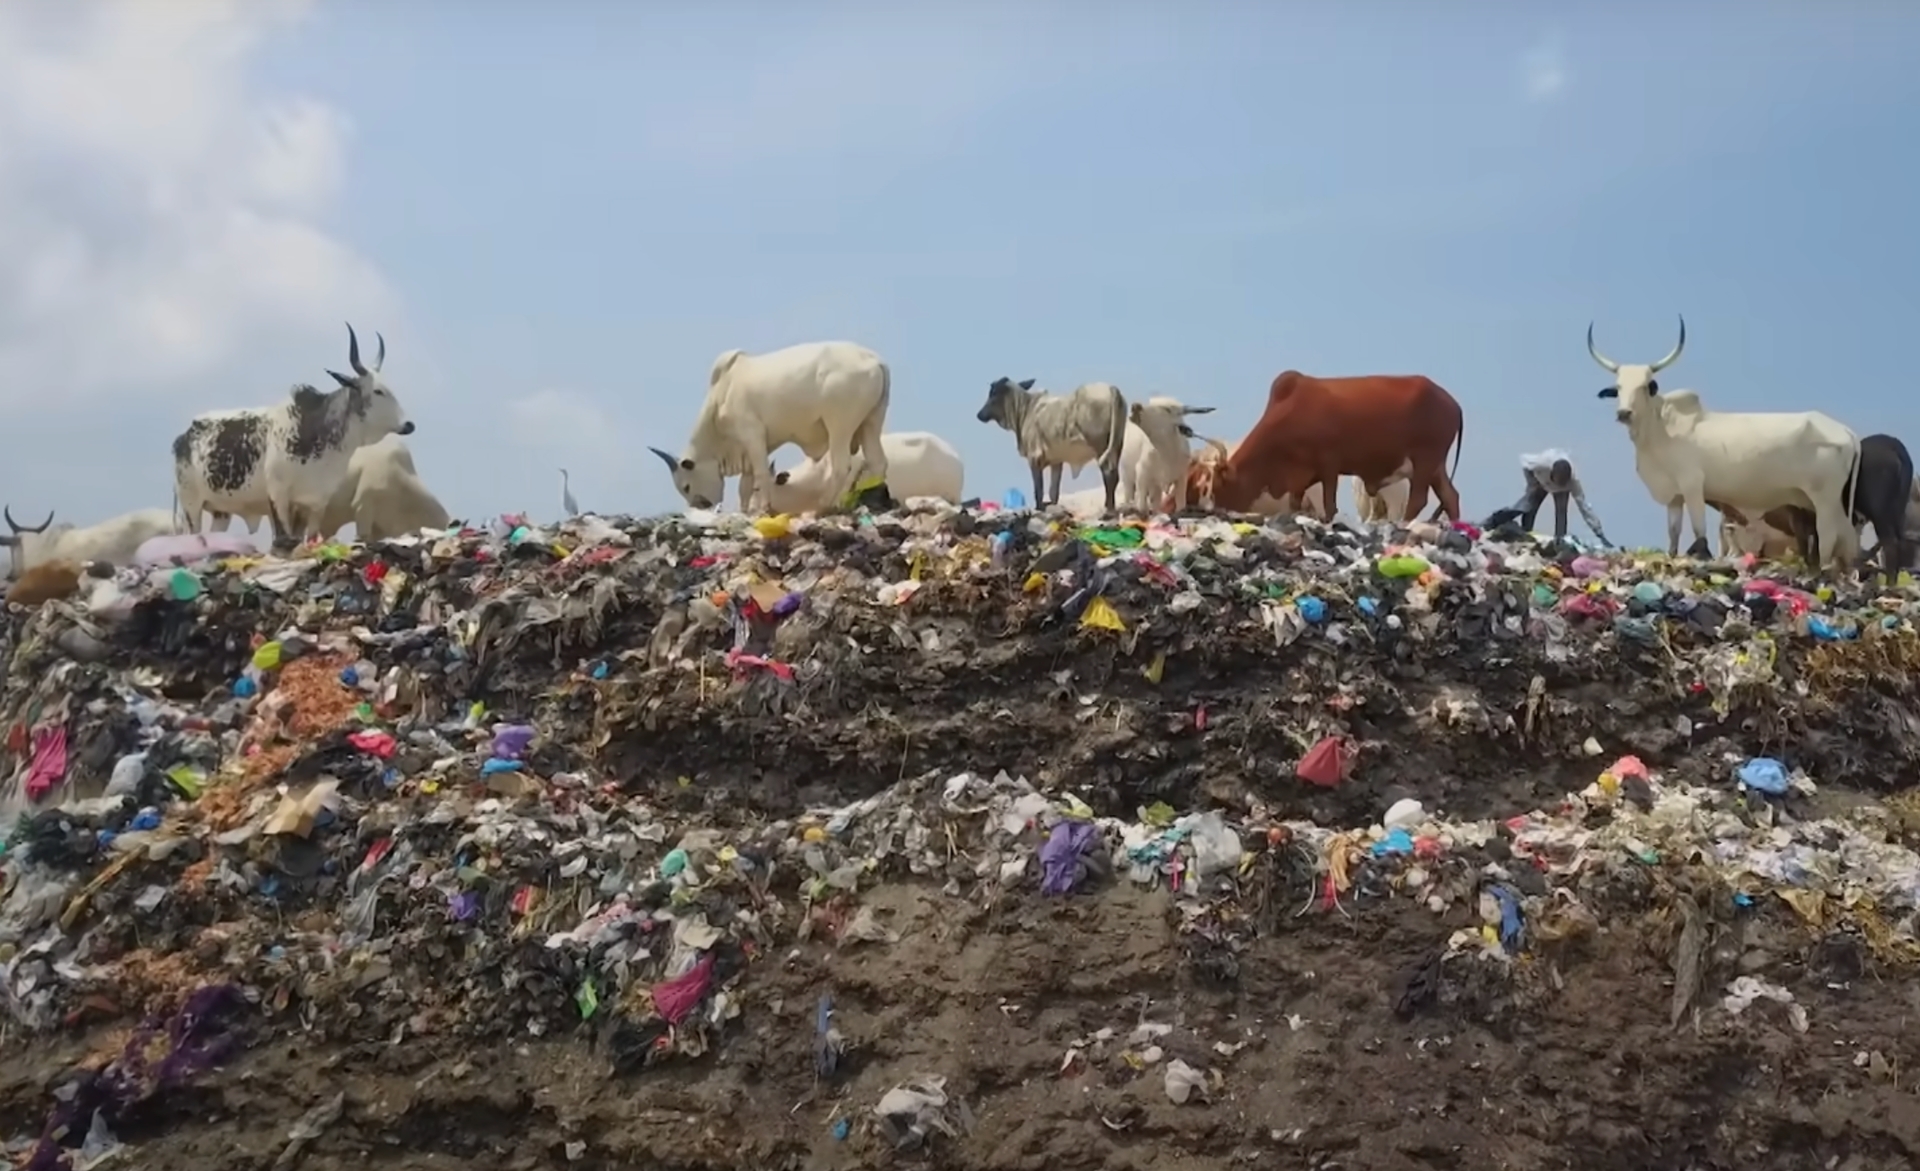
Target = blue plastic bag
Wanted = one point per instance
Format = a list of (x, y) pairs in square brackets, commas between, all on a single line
[(1763, 774)]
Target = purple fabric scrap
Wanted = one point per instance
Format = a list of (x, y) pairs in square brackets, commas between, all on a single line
[(510, 740), (1063, 860)]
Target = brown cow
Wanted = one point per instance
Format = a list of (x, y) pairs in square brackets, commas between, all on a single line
[(1316, 429)]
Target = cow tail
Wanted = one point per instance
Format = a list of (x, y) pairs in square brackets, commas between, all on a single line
[(1459, 445), (1853, 477), (886, 394), (1116, 436)]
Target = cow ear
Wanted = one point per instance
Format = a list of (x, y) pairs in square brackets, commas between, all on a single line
[(1653, 386), (686, 465), (1610, 392), (782, 477), (1026, 384)]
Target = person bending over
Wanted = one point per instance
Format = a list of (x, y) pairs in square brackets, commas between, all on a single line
[(1548, 473)]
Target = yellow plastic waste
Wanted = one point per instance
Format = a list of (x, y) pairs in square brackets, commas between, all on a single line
[(267, 656), (1101, 615), (773, 527), (1154, 670)]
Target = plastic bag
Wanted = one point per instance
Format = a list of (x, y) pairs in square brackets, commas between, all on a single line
[(1327, 763)]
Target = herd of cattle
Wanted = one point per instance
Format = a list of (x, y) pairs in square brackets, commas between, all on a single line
[(318, 461), (1801, 475)]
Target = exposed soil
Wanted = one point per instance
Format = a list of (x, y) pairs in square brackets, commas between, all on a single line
[(1585, 1075)]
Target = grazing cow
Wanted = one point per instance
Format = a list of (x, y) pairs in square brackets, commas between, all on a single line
[(1155, 455), (1055, 431), (1314, 430), (1203, 471), (382, 496), (828, 398), (1687, 455), (1881, 494), (286, 459), (918, 463), (45, 582), (113, 541), (1390, 501), (1766, 538)]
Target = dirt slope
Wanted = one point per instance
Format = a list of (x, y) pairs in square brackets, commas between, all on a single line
[(1336, 1036)]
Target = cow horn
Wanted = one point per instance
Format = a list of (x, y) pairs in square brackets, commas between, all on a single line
[(1670, 359), (379, 359), (1196, 410), (672, 463), (19, 528), (1606, 363), (353, 351)]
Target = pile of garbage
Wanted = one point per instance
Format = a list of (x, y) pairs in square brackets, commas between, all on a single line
[(527, 781)]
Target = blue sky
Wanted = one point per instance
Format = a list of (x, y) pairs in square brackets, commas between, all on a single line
[(559, 214)]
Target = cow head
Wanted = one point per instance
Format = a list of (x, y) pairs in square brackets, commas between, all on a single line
[(15, 541), (1160, 417), (1203, 469), (368, 395), (1001, 397), (1634, 386), (699, 482)]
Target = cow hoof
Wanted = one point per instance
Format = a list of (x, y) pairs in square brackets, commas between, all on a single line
[(1699, 550)]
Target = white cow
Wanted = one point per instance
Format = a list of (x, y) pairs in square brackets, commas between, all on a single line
[(113, 541), (1687, 455), (289, 458), (1755, 536), (382, 496), (1156, 454), (1055, 431), (1389, 504), (828, 398), (919, 463)]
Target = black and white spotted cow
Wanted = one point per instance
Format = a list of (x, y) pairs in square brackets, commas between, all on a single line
[(285, 461)]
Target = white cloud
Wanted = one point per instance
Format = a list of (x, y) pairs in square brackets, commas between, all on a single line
[(1543, 71), (562, 419), (162, 217)]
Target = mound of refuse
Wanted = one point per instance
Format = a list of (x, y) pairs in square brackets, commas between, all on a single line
[(967, 839)]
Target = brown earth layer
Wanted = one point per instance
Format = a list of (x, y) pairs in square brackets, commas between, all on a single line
[(1363, 1049)]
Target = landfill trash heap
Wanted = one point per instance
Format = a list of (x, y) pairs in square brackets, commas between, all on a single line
[(595, 779)]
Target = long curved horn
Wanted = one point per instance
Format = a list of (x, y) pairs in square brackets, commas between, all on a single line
[(1670, 359), (353, 351), (1196, 410), (379, 359), (19, 528), (1606, 363), (672, 463)]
